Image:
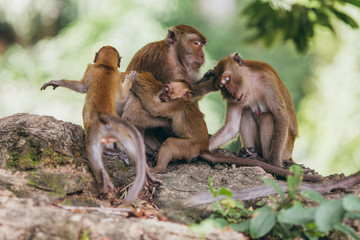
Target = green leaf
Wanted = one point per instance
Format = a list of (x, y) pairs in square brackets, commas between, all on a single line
[(352, 215), (241, 227), (353, 2), (297, 215), (263, 221), (276, 186), (328, 214), (313, 195), (345, 18), (225, 192), (351, 203), (220, 223), (347, 230), (293, 182), (211, 188)]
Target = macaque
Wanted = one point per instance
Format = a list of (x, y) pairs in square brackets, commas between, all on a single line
[(105, 86), (179, 56), (264, 190), (259, 108), (173, 101)]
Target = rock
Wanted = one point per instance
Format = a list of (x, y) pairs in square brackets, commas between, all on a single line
[(184, 180), (26, 219), (43, 165)]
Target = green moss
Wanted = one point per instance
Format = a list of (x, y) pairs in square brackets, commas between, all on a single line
[(47, 181), (85, 235), (25, 158)]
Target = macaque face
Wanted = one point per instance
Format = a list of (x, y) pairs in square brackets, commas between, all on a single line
[(190, 49), (229, 80), (173, 90)]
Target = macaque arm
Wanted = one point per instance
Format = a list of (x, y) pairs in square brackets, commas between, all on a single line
[(78, 86), (155, 108), (204, 85), (231, 127), (200, 89), (126, 85)]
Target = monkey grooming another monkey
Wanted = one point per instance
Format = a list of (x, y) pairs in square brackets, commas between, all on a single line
[(264, 190), (104, 87), (179, 56), (187, 122), (259, 108)]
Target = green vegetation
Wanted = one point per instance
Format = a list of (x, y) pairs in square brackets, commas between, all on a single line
[(287, 217)]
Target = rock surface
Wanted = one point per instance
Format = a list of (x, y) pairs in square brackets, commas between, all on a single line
[(44, 174)]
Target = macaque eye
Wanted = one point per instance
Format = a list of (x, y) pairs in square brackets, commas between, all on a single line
[(197, 43)]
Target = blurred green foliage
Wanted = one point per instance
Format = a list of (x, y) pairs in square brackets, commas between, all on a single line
[(295, 22), (42, 40)]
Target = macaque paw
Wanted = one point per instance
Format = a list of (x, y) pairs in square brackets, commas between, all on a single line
[(248, 153), (132, 76), (52, 83), (106, 189), (158, 170), (209, 74), (223, 81)]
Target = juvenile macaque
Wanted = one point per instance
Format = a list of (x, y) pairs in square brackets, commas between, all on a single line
[(105, 86), (259, 108), (264, 190), (172, 101)]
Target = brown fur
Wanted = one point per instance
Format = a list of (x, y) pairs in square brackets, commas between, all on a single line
[(187, 123), (175, 57), (259, 108), (105, 86)]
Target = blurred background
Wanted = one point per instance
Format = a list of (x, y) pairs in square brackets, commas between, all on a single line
[(312, 44)]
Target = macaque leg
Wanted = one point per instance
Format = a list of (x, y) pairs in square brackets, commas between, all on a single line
[(249, 134), (78, 86), (175, 149), (94, 153), (266, 133)]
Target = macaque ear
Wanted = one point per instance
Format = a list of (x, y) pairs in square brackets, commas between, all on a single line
[(187, 96), (119, 60), (96, 55), (238, 59), (171, 38)]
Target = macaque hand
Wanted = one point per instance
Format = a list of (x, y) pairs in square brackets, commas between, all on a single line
[(132, 76), (52, 83), (247, 153), (224, 81), (209, 74)]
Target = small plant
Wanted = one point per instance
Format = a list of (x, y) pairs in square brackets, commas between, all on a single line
[(289, 217)]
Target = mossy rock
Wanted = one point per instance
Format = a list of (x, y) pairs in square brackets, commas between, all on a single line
[(63, 183)]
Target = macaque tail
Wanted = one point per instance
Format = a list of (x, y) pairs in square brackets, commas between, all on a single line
[(264, 190), (130, 141), (215, 158)]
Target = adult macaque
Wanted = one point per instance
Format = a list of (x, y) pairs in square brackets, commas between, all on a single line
[(264, 190), (259, 108), (105, 86), (179, 56), (187, 122)]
